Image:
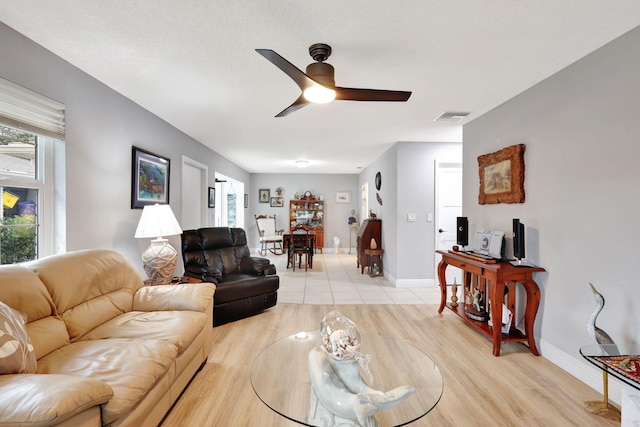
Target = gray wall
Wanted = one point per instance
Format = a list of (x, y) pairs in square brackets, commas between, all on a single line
[(408, 185), (581, 130), (102, 126), (325, 185)]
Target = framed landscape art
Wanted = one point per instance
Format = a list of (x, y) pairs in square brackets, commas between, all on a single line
[(502, 176), (149, 178)]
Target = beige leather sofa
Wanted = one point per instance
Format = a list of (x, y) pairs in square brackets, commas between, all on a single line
[(110, 351)]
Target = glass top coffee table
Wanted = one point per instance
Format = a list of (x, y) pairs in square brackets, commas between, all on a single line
[(280, 376)]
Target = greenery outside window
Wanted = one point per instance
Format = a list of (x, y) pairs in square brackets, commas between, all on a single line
[(21, 190)]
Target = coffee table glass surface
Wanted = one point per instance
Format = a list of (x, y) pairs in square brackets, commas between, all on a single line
[(280, 376)]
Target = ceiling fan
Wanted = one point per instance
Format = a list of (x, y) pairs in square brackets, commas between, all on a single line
[(318, 83)]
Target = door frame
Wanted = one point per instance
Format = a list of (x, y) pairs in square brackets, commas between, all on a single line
[(440, 165), (204, 179)]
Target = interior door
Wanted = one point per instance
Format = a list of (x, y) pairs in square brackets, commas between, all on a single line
[(448, 208), (193, 210)]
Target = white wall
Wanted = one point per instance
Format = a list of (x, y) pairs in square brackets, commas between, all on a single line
[(101, 128), (581, 132)]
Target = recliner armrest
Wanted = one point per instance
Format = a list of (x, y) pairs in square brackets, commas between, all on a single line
[(257, 265), (204, 273)]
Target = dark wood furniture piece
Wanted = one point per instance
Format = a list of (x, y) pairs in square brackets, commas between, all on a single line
[(288, 245), (492, 277), (374, 258), (302, 246), (310, 213), (370, 228)]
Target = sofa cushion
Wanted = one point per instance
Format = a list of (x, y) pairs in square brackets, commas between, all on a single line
[(176, 327), (47, 335), (46, 400), (103, 283), (16, 352), (22, 290), (130, 367)]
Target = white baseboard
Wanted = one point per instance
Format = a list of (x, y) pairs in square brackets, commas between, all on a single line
[(413, 283), (581, 369)]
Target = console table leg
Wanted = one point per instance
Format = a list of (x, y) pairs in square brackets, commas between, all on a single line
[(531, 308), (497, 298), (442, 267)]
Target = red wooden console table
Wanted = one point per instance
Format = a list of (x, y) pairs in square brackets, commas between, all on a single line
[(493, 276)]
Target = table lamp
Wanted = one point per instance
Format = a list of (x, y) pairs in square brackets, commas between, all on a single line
[(160, 258)]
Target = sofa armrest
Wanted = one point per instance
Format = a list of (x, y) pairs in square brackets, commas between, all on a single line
[(45, 400), (193, 297), (257, 265)]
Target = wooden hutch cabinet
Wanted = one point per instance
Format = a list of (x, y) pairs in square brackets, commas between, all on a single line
[(309, 212)]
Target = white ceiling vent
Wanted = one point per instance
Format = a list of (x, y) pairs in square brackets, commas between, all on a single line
[(451, 116)]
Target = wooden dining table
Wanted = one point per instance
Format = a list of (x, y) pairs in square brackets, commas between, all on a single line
[(288, 238)]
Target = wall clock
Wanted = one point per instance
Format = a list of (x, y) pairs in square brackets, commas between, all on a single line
[(378, 181)]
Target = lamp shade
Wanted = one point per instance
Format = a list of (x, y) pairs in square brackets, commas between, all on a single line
[(157, 221)]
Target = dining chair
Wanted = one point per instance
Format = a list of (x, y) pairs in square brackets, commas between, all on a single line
[(301, 245), (269, 235)]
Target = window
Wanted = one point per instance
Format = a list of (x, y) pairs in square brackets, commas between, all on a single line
[(28, 121), (20, 190)]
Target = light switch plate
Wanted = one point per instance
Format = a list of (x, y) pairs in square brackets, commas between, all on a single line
[(411, 217)]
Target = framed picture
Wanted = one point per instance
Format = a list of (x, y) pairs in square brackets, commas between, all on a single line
[(263, 195), (502, 176), (277, 202), (149, 178), (343, 197), (246, 201), (212, 197)]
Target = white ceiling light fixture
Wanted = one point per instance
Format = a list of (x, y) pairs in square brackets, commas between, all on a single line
[(319, 94), (302, 163)]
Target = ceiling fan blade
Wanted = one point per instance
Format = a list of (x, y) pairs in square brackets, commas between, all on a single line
[(302, 80), (297, 104), (352, 94)]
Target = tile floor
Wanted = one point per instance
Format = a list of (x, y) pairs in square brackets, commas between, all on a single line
[(335, 279)]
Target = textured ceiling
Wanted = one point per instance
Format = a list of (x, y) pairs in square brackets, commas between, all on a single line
[(193, 63)]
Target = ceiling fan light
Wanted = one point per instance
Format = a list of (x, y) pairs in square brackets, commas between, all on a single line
[(319, 94)]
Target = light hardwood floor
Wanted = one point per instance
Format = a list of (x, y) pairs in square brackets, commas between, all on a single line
[(515, 389)]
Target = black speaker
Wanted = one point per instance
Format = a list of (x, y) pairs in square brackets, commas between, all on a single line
[(518, 239), (462, 231)]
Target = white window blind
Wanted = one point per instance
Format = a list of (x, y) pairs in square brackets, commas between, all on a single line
[(25, 109)]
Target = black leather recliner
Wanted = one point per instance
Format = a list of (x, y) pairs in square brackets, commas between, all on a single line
[(245, 285)]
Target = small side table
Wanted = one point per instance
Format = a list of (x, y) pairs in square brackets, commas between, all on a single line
[(178, 281), (374, 257)]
